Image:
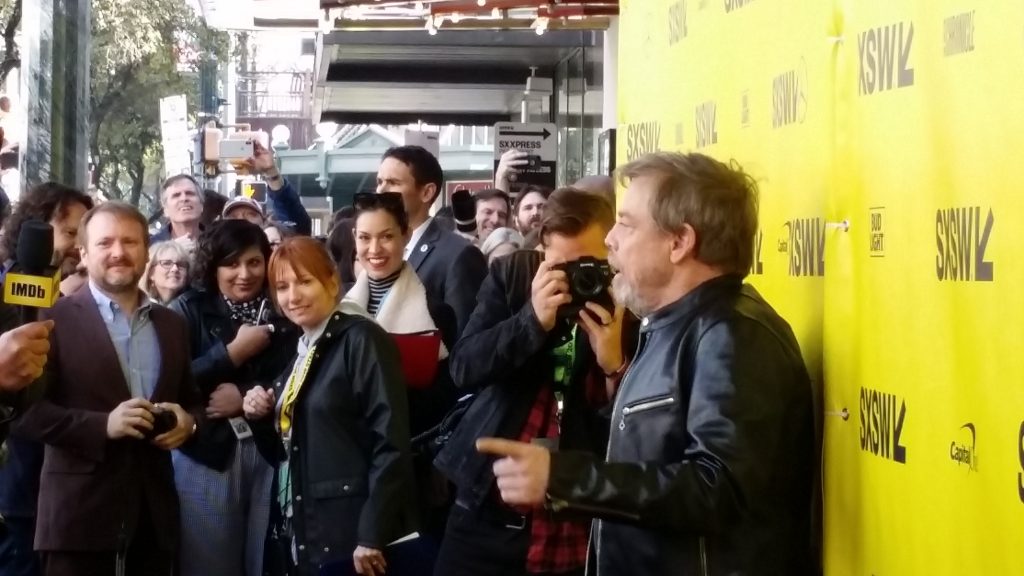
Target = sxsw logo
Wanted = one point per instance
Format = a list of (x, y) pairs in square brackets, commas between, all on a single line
[(804, 245), (885, 58), (877, 218), (961, 241), (881, 425), (965, 452), (678, 27), (958, 34), (731, 5), (757, 266), (642, 138), (706, 121), (789, 97), (745, 109)]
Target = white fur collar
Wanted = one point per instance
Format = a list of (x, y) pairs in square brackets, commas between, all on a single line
[(404, 309)]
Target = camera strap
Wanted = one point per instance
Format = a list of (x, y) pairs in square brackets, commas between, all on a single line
[(564, 357)]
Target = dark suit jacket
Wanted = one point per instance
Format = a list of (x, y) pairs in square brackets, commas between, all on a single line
[(92, 489), (450, 268)]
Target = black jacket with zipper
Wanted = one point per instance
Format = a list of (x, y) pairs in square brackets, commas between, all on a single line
[(210, 330), (504, 356), (350, 462), (713, 453)]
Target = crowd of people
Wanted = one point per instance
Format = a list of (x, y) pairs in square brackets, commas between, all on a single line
[(230, 396)]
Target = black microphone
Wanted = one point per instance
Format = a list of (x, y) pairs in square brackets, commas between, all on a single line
[(464, 211), (32, 283)]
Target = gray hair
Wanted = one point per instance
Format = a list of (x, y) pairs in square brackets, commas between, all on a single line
[(499, 237)]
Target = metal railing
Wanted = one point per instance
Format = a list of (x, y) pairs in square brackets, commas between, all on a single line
[(274, 95)]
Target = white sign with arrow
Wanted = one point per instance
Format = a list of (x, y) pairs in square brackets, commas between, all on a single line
[(540, 143)]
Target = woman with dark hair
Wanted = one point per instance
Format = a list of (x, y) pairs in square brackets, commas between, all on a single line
[(392, 293), (344, 483), (237, 342), (277, 233), (342, 245)]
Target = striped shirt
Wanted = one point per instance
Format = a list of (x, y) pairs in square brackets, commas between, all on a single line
[(379, 290)]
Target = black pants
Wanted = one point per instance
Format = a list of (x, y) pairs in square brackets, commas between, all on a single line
[(489, 542), (143, 558), (17, 557)]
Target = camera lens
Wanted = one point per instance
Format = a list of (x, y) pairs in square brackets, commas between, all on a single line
[(588, 282)]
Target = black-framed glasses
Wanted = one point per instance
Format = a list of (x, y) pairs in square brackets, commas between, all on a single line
[(371, 200), (168, 264)]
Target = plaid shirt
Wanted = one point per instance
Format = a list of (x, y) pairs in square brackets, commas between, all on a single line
[(557, 546)]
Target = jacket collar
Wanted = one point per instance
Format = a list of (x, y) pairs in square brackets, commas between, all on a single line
[(692, 301), (431, 236)]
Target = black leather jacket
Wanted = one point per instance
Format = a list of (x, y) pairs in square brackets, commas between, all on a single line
[(504, 354), (210, 330), (712, 457), (350, 462)]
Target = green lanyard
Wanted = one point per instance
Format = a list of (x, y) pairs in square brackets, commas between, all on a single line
[(564, 358)]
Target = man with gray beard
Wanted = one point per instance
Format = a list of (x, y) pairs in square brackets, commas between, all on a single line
[(712, 458)]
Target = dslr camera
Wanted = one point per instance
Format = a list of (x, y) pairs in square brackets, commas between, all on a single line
[(589, 279), (163, 421)]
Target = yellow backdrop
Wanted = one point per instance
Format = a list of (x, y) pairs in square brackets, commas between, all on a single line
[(885, 138)]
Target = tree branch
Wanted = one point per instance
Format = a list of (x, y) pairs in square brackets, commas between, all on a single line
[(12, 58)]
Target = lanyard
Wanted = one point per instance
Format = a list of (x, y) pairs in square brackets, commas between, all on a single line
[(291, 392)]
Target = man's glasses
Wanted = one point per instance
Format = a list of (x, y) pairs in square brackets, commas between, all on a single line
[(168, 264), (371, 201)]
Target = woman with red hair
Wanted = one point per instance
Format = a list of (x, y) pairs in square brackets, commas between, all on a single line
[(344, 484)]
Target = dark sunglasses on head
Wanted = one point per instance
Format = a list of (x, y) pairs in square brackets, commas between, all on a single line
[(370, 200)]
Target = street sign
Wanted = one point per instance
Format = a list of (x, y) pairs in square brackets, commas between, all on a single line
[(426, 139), (174, 135), (540, 142)]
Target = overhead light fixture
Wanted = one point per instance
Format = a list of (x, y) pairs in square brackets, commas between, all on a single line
[(280, 135), (326, 129), (481, 3), (540, 25), (455, 17)]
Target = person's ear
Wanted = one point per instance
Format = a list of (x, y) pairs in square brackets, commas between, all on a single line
[(682, 244)]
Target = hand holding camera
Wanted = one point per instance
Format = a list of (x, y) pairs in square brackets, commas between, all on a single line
[(586, 283), (508, 167), (549, 292), (173, 426), (131, 419)]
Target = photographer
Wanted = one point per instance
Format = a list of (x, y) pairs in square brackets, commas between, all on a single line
[(543, 363)]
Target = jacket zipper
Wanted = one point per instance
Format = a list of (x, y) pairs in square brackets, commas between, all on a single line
[(703, 557), (641, 348), (643, 407)]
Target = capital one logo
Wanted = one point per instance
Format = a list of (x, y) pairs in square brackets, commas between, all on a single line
[(965, 451)]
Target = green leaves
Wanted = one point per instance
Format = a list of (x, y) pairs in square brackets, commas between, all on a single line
[(142, 52)]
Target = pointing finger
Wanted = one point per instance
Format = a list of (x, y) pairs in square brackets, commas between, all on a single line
[(501, 447)]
